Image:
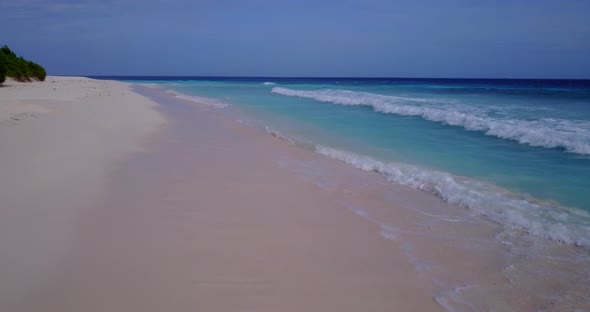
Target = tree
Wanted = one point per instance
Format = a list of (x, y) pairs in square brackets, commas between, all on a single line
[(2, 70)]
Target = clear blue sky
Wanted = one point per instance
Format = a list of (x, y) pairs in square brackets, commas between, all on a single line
[(511, 39)]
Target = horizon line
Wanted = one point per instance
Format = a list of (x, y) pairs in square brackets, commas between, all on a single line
[(319, 77)]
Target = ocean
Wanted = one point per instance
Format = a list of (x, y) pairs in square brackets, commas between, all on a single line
[(512, 152)]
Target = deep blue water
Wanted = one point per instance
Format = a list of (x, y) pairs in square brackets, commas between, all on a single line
[(516, 151)]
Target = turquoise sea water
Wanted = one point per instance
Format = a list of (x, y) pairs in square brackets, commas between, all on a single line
[(515, 151)]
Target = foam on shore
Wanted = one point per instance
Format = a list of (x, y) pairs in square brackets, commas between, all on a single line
[(215, 103), (571, 226)]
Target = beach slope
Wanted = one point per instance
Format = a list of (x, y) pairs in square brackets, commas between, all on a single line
[(58, 141)]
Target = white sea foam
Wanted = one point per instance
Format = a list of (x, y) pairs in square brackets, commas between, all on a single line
[(570, 226), (572, 136), (199, 99), (268, 83)]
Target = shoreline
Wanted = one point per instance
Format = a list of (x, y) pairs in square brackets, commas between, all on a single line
[(189, 223), (217, 215), (464, 257)]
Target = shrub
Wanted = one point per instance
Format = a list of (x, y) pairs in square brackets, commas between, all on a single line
[(19, 68)]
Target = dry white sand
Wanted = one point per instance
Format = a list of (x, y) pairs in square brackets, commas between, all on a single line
[(58, 141)]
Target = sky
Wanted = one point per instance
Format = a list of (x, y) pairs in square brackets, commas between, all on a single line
[(300, 38)]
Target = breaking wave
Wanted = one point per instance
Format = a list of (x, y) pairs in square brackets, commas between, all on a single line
[(569, 135), (571, 226)]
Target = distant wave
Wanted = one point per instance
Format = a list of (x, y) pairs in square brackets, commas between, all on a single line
[(572, 136), (570, 226), (199, 99), (268, 83)]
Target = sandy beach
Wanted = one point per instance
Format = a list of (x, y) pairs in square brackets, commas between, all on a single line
[(59, 140), (121, 197), (109, 206)]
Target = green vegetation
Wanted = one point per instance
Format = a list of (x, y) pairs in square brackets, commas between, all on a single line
[(18, 68), (2, 71)]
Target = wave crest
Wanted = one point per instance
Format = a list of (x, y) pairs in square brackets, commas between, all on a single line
[(572, 136)]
